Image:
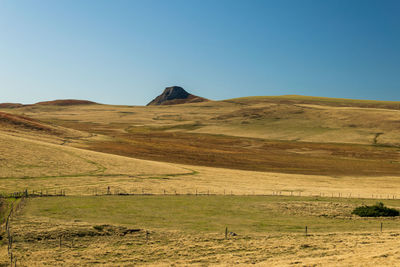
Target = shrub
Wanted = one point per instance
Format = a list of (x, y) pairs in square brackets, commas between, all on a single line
[(377, 210), (98, 227)]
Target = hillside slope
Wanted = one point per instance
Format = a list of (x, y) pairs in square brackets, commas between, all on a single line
[(279, 134)]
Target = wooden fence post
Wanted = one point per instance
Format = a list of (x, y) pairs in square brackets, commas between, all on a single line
[(226, 232), (306, 230)]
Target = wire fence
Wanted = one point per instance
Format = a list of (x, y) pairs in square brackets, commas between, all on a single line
[(14, 207), (119, 191)]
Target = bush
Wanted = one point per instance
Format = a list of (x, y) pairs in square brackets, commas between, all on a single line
[(99, 227), (377, 210)]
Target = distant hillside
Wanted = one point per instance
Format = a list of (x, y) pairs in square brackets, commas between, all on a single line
[(176, 95), (328, 101), (66, 102), (291, 134), (16, 121), (10, 105)]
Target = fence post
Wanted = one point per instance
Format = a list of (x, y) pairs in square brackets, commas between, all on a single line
[(381, 226), (226, 232), (306, 230)]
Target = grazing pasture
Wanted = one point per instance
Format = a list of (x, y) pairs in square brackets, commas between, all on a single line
[(221, 183), (191, 229)]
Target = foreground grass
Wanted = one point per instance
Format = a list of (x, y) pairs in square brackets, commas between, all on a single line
[(186, 230), (241, 214)]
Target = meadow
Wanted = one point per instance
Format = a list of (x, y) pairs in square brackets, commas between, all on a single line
[(131, 230), (159, 185)]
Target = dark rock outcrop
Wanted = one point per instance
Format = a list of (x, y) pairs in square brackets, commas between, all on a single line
[(176, 95)]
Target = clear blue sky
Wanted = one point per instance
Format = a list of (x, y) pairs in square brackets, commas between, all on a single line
[(127, 52)]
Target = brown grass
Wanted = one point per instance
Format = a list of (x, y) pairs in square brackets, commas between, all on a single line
[(254, 154)]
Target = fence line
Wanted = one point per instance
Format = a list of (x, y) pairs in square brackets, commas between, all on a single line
[(105, 191), (9, 235), (173, 192), (34, 193)]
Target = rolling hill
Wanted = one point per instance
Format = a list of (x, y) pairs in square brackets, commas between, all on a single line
[(140, 179), (290, 134)]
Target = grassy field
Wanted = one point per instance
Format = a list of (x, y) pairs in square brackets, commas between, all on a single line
[(242, 214), (191, 230)]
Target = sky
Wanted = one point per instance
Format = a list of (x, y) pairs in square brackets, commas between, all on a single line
[(127, 52)]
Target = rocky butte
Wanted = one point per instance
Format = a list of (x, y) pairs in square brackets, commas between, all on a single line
[(176, 95)]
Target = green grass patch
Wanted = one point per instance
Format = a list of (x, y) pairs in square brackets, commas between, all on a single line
[(241, 214)]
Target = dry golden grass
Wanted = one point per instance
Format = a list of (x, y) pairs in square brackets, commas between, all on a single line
[(171, 248), (182, 134), (206, 180), (282, 118), (29, 159), (41, 166)]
